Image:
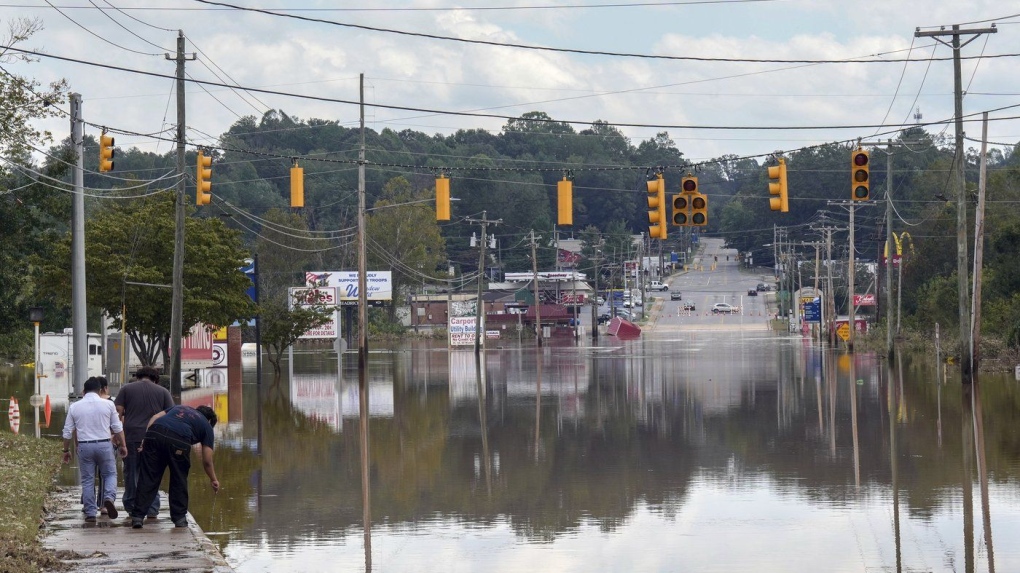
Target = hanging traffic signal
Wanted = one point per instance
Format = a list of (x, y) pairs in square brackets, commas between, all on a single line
[(297, 186), (442, 198), (657, 207), (203, 173), (777, 186), (106, 152), (681, 208), (565, 202), (860, 167), (699, 210)]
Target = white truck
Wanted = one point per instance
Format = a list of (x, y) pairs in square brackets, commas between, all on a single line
[(56, 354), (657, 285)]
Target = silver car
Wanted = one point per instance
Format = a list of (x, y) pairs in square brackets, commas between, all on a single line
[(724, 308)]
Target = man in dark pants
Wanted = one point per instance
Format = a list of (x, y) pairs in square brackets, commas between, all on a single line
[(137, 402), (167, 444)]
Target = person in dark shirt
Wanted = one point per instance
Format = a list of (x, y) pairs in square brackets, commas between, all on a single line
[(167, 444), (137, 402)]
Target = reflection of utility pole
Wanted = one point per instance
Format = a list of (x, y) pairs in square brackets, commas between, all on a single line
[(479, 305), (963, 285)]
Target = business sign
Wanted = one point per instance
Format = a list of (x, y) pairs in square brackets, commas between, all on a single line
[(813, 310), (317, 297), (864, 300), (197, 348), (378, 283), (462, 330)]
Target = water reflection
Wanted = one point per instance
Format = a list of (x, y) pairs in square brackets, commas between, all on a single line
[(704, 452)]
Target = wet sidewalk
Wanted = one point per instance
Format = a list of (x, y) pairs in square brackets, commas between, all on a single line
[(112, 545)]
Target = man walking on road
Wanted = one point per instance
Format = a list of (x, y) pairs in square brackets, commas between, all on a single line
[(137, 402), (167, 444), (94, 420)]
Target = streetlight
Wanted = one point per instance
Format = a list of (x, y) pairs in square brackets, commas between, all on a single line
[(35, 314)]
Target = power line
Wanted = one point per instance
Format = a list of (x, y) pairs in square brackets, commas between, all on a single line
[(550, 49)]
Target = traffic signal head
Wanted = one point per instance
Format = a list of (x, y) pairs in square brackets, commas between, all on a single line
[(565, 202), (777, 186), (442, 198), (689, 184), (699, 210), (657, 207), (106, 152), (860, 179), (203, 173), (297, 186), (681, 208)]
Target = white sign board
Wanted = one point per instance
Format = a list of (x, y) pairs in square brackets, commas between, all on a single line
[(321, 296), (462, 330), (378, 283)]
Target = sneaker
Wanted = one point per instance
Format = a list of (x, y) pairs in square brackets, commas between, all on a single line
[(111, 511), (182, 522), (136, 523), (152, 515), (90, 519)]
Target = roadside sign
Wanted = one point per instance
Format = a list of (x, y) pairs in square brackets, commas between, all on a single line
[(843, 330), (864, 300)]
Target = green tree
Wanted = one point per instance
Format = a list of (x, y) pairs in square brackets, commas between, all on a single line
[(283, 325), (133, 241), (403, 236)]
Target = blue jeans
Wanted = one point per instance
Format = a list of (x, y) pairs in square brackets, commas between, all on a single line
[(98, 455), (131, 480)]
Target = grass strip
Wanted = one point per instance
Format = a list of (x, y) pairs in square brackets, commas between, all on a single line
[(27, 469)]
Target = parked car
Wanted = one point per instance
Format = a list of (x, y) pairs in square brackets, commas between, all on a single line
[(752, 292), (687, 306), (656, 285), (604, 317), (675, 295), (724, 308)]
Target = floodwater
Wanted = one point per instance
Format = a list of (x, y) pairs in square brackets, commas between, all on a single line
[(709, 451)]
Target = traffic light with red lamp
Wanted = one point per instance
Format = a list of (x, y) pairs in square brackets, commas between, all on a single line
[(860, 179), (657, 207), (203, 174), (777, 187), (106, 152)]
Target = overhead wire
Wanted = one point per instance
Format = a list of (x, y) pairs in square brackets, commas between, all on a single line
[(114, 44), (125, 28)]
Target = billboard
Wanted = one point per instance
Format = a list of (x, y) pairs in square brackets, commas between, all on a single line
[(310, 297), (197, 348), (462, 330), (378, 283)]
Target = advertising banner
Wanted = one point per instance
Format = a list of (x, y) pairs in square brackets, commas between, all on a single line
[(462, 330), (378, 283), (864, 300), (321, 296)]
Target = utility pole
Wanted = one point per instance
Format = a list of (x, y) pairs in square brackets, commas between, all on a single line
[(852, 273), (79, 332), (362, 239), (479, 304), (889, 354), (538, 301), (177, 302), (595, 295), (979, 242), (963, 285)]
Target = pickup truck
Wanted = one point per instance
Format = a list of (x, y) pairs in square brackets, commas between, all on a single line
[(656, 285)]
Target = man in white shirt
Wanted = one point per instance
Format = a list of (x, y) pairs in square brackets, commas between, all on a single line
[(95, 420)]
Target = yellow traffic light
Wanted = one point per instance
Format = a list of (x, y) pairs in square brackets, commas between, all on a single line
[(681, 209), (777, 186), (297, 186), (565, 202), (699, 210), (860, 179), (657, 207), (106, 152), (442, 198), (203, 173)]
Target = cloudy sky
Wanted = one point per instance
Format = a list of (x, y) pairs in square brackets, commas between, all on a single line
[(691, 99)]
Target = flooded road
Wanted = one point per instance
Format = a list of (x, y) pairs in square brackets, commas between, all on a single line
[(680, 451)]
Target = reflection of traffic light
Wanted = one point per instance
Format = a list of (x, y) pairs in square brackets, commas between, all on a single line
[(699, 210), (106, 152), (860, 180), (777, 186), (297, 186), (681, 206), (442, 198), (657, 207), (565, 202), (203, 173)]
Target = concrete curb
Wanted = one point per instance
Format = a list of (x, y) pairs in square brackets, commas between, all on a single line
[(112, 545)]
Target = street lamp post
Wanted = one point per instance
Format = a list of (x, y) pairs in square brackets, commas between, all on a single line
[(35, 314)]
